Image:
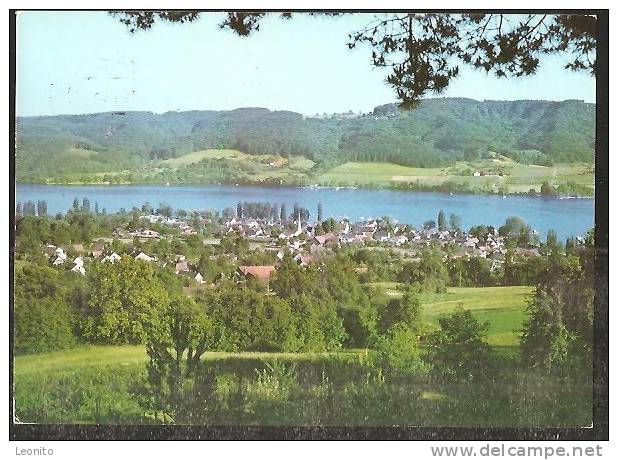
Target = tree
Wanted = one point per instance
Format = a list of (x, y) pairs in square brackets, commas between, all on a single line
[(146, 208), (86, 205), (423, 51), (547, 190), (560, 324), (44, 319), (122, 296), (430, 224), (319, 212), (405, 311), (551, 243), (239, 214), (176, 337), (512, 226), (75, 204), (41, 208), (164, 209), (329, 225), (29, 208), (458, 350), (454, 222), (283, 214), (429, 273), (441, 221)]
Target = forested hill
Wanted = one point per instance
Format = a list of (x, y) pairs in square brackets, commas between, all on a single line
[(437, 133)]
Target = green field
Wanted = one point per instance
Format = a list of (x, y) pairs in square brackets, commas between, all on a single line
[(500, 173), (254, 168), (358, 173), (503, 307), (99, 384)]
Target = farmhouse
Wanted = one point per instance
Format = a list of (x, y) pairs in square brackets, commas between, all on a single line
[(261, 272), (144, 257)]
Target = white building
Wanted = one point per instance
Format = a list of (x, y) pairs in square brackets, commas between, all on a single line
[(144, 257), (79, 269), (113, 257)]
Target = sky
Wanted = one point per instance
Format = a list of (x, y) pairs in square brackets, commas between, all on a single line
[(86, 62)]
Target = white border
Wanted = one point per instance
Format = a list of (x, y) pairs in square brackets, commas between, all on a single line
[(247, 449)]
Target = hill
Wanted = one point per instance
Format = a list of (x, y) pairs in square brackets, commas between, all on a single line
[(439, 133)]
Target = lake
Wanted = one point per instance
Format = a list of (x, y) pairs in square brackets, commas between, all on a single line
[(566, 216)]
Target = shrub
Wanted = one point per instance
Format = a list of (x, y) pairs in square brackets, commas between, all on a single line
[(458, 350), (398, 351)]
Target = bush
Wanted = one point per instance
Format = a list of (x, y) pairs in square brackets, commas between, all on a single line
[(398, 351), (458, 350)]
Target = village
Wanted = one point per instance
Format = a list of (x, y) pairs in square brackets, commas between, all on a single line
[(273, 239)]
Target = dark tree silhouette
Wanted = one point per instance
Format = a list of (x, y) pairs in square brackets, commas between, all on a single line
[(423, 51)]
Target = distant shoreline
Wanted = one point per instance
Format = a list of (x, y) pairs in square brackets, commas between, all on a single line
[(309, 187)]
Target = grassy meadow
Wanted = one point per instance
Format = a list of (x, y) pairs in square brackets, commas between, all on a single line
[(515, 177), (100, 384), (220, 164), (504, 307)]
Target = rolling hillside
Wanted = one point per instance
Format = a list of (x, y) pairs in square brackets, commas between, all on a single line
[(437, 134)]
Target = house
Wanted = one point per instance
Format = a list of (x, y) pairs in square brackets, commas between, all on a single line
[(260, 272), (98, 246), (97, 249), (79, 269), (199, 279), (78, 248), (113, 257), (60, 258), (78, 261), (366, 231), (470, 242), (49, 250), (381, 235), (303, 259), (181, 267), (254, 232), (144, 257), (476, 174), (399, 240), (323, 239)]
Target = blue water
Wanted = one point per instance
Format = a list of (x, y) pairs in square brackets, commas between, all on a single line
[(566, 216)]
